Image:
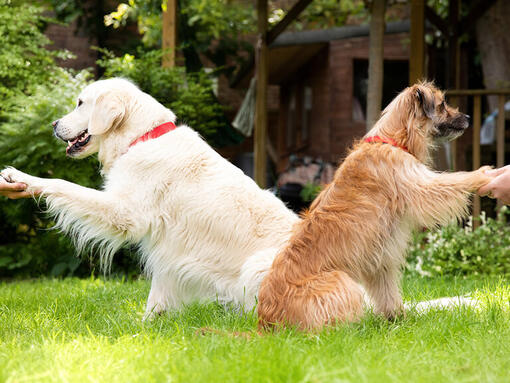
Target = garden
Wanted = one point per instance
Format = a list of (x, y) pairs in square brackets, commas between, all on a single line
[(62, 318)]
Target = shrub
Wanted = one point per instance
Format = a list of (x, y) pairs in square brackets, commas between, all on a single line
[(26, 142), (24, 59), (455, 250)]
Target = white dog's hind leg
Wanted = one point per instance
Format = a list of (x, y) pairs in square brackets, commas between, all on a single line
[(253, 272)]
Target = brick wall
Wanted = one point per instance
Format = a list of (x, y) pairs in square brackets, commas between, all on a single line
[(342, 53), (330, 74), (74, 40)]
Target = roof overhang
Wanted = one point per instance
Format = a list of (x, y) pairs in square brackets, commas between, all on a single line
[(291, 50)]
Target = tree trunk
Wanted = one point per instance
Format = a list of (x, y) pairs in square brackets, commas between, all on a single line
[(169, 33), (375, 62), (494, 45)]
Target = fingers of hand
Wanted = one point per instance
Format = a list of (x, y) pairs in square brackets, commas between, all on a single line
[(16, 195), (497, 172), (12, 187)]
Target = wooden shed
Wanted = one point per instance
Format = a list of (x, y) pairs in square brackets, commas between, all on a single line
[(322, 78)]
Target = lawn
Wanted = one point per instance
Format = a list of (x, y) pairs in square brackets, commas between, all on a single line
[(90, 330)]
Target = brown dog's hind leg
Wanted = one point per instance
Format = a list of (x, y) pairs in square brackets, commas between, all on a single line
[(384, 291)]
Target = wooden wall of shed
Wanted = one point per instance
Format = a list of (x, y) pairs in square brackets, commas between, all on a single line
[(330, 74), (314, 75)]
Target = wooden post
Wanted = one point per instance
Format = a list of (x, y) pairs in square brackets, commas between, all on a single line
[(375, 62), (261, 60), (417, 51), (453, 78), (477, 122), (454, 101), (169, 32), (500, 136)]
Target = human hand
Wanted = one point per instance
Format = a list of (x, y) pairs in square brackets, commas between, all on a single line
[(499, 187), (12, 190)]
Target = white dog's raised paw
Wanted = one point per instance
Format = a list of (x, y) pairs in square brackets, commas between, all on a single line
[(13, 175)]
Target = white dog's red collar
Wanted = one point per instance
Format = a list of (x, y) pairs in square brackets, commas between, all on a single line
[(155, 133)]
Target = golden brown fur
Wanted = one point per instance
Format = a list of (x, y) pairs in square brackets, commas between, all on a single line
[(357, 229)]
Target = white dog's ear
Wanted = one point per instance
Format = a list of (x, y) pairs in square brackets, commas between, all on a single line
[(107, 113)]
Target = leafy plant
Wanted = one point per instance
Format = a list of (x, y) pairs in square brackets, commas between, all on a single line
[(24, 58), (26, 142), (455, 250), (310, 191)]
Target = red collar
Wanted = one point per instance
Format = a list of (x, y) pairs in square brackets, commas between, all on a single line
[(155, 133), (386, 140)]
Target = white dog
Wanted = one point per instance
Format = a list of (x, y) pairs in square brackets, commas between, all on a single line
[(205, 230)]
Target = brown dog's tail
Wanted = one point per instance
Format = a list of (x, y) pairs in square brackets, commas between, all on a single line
[(311, 302)]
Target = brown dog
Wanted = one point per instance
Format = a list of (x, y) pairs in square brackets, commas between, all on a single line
[(357, 230)]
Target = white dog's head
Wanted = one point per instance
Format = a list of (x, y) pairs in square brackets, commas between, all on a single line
[(113, 111)]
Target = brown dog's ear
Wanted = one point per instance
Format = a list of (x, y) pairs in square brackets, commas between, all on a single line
[(426, 102), (107, 113)]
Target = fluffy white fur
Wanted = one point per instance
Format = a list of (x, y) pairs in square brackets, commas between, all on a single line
[(204, 229)]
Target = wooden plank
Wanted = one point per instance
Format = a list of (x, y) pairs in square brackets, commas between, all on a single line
[(417, 54), (477, 122), (169, 32), (500, 136), (477, 92), (500, 132), (291, 15), (375, 62), (261, 72), (454, 101)]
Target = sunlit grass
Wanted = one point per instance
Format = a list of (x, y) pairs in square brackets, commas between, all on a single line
[(91, 330)]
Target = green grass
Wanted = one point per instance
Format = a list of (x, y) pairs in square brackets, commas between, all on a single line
[(91, 331)]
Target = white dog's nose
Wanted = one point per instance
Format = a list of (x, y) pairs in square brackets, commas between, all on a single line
[(54, 123)]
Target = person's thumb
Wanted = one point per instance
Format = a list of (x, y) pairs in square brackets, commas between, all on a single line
[(485, 190)]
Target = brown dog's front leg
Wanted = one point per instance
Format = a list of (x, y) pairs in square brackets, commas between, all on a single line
[(439, 198)]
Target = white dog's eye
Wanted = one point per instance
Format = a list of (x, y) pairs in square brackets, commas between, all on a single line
[(79, 103)]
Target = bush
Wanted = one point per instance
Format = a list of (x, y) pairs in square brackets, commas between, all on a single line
[(24, 59), (26, 142), (455, 250)]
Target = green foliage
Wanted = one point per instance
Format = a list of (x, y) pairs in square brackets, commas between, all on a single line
[(189, 96), (211, 18), (310, 191), (322, 14), (24, 59), (26, 142), (455, 250)]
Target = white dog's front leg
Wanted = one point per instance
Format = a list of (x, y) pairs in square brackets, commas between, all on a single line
[(91, 214), (162, 297)]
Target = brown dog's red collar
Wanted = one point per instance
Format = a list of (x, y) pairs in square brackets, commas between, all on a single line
[(155, 133), (385, 140)]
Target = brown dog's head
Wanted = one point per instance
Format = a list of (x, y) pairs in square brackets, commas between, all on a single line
[(446, 123), (418, 118)]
